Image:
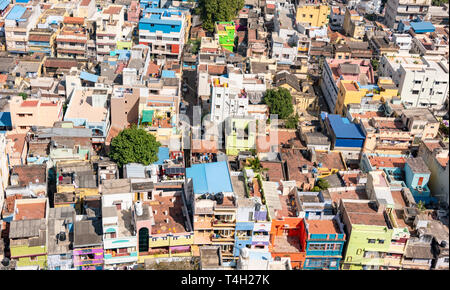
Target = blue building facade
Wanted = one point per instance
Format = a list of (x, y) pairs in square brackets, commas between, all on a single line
[(324, 244), (417, 176)]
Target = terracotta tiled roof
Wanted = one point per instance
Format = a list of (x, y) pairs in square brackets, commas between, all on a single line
[(40, 38), (73, 20), (32, 103), (60, 63), (30, 174)]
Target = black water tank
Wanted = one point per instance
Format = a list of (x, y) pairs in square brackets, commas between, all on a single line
[(219, 198), (5, 262), (62, 236)]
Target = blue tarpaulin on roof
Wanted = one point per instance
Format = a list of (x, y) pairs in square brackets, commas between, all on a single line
[(210, 177), (88, 77)]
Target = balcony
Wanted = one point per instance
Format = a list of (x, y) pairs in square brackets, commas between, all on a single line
[(202, 238), (87, 262), (223, 237), (392, 262), (224, 223), (396, 248)]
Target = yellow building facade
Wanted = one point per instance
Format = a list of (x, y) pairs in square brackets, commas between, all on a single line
[(314, 15), (351, 92)]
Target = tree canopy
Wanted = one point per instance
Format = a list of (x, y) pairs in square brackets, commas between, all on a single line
[(279, 102), (134, 145), (218, 10)]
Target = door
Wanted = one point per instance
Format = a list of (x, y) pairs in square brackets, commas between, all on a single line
[(420, 181)]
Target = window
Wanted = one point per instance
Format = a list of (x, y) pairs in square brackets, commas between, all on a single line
[(416, 92), (330, 246), (371, 241), (317, 247), (380, 241), (337, 247), (34, 258)]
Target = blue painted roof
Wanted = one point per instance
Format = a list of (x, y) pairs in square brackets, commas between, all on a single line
[(168, 74), (163, 154), (422, 27), (4, 4), (88, 77), (5, 119), (16, 12), (159, 21), (210, 177), (343, 128)]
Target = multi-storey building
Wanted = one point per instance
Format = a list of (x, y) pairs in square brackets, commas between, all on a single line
[(28, 233), (252, 221), (171, 233), (231, 96), (119, 238), (284, 37), (163, 30), (18, 23), (313, 12), (341, 69), (352, 92), (353, 24), (325, 241), (60, 238), (109, 30), (89, 107), (213, 207), (32, 112), (72, 40), (225, 35), (88, 245), (397, 10), (421, 81)]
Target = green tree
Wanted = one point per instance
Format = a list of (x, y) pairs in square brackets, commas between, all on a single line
[(279, 102), (24, 96), (134, 145), (218, 10), (292, 122), (322, 184), (374, 63), (421, 206), (315, 189)]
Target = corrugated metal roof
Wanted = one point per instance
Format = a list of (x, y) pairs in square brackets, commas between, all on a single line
[(88, 77), (4, 4), (422, 27), (210, 177), (16, 12)]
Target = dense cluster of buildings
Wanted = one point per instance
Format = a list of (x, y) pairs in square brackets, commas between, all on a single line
[(361, 181)]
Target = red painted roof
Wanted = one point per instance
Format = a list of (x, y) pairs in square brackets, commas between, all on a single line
[(29, 103)]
